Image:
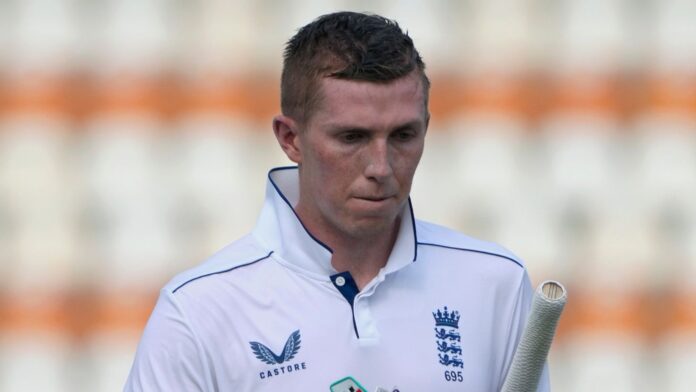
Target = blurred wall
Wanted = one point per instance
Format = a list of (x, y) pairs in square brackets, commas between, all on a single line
[(135, 138)]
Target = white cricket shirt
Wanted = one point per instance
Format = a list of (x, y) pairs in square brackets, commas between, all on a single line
[(270, 313)]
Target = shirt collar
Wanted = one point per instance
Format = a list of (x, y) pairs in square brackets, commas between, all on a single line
[(280, 229)]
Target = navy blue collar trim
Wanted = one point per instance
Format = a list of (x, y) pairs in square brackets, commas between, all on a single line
[(293, 208), (473, 250), (415, 234), (223, 271)]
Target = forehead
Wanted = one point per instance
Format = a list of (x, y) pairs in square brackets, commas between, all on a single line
[(369, 104)]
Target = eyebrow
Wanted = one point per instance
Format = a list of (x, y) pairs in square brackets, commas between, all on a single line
[(414, 124)]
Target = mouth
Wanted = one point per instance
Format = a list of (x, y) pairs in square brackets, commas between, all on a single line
[(374, 201), (376, 206), (374, 198)]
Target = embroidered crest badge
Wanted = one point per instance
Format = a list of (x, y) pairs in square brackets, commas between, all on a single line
[(448, 338)]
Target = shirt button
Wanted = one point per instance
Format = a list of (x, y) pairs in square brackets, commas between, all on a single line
[(340, 281)]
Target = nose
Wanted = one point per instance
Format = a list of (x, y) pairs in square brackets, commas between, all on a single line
[(379, 165)]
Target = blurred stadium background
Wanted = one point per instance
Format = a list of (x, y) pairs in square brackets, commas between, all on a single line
[(135, 138)]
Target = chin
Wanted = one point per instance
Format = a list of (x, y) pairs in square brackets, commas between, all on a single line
[(371, 227)]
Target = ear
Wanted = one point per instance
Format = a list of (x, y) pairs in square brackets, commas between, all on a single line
[(427, 120), (286, 131)]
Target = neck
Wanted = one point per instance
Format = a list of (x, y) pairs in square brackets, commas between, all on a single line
[(364, 257)]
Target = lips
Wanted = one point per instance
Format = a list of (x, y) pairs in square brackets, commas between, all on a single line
[(374, 206), (373, 198)]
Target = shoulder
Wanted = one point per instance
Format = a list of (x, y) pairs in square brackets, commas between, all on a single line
[(435, 236), (245, 252)]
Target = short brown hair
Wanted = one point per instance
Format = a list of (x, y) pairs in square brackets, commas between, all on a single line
[(344, 45)]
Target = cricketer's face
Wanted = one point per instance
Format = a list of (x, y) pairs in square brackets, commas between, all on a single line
[(358, 153)]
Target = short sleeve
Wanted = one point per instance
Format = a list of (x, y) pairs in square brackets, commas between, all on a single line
[(169, 356)]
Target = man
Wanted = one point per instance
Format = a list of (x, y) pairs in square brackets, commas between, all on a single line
[(338, 286)]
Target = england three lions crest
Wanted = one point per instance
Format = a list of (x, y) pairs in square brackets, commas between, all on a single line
[(447, 337)]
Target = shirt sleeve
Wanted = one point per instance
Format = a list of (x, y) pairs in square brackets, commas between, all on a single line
[(169, 356), (519, 320)]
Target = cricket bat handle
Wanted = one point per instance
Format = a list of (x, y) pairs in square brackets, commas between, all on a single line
[(530, 356)]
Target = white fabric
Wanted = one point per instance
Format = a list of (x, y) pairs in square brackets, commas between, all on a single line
[(274, 295)]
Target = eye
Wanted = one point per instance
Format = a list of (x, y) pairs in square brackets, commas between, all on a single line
[(351, 137), (404, 135)]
